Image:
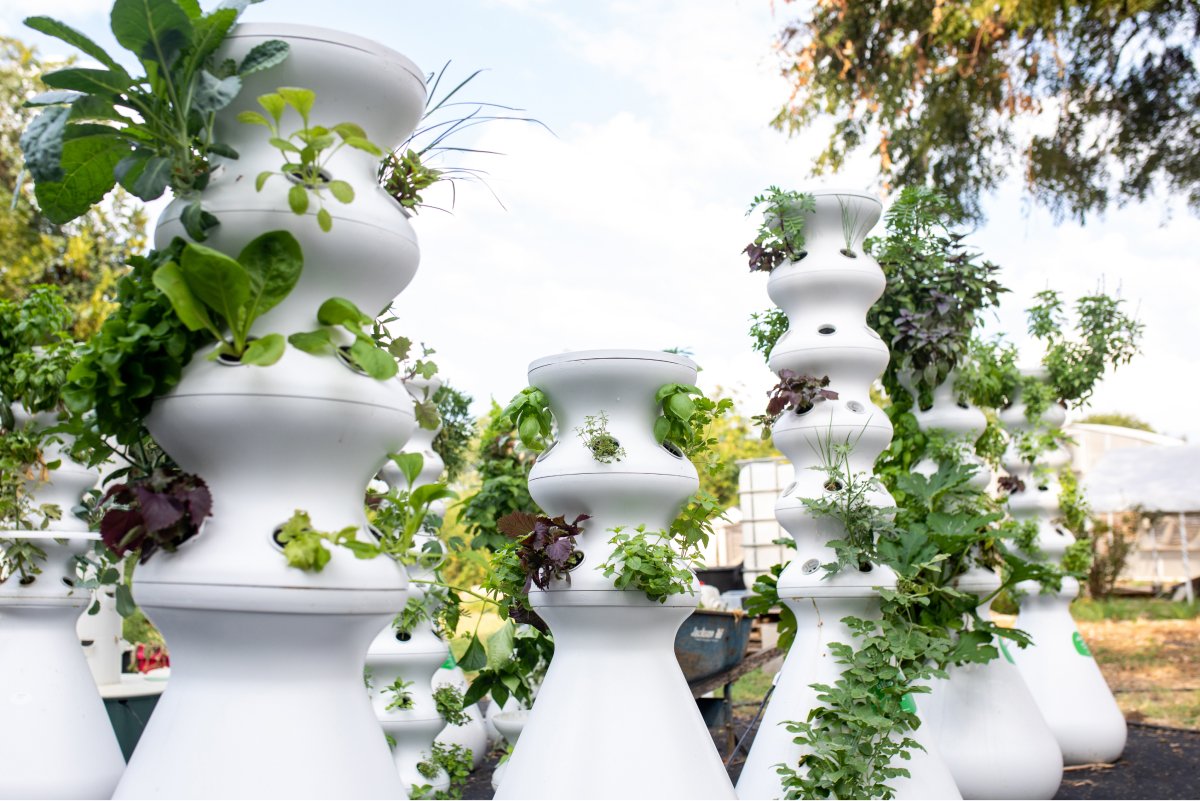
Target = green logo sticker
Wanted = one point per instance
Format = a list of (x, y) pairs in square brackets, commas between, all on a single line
[(1004, 650), (449, 663), (908, 704), (1080, 645)]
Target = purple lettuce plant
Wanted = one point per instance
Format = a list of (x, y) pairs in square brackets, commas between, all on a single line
[(795, 392), (161, 510), (545, 546)]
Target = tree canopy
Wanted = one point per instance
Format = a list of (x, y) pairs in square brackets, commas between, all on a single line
[(1096, 102), (83, 258)]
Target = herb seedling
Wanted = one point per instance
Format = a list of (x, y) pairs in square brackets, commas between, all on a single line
[(304, 546), (851, 224), (307, 151), (648, 561), (365, 353), (530, 412), (603, 445), (449, 702), (795, 392), (780, 237), (686, 413), (401, 695)]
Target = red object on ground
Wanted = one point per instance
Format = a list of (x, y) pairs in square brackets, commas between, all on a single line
[(149, 657)]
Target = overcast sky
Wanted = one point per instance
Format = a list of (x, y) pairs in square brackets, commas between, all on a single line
[(624, 228)]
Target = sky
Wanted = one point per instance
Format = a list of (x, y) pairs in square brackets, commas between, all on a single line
[(623, 224)]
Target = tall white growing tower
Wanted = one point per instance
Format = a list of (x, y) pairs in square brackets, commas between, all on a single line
[(1059, 669), (992, 735), (826, 296)]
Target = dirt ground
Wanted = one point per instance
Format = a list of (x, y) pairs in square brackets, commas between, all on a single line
[(1152, 666)]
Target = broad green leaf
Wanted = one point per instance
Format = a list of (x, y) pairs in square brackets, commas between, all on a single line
[(681, 406), (500, 646), (125, 603), (264, 351), (154, 30), (208, 33), (428, 493), (410, 465), (324, 220), (273, 103), (196, 221), (348, 129), (475, 657), (87, 176), (191, 8), (42, 144), (273, 262), (662, 427), (315, 342), (188, 308), (264, 56), (427, 415), (399, 347), (213, 93), (261, 179), (339, 311), (299, 99), (376, 362), (217, 280), (530, 432), (298, 199), (223, 150), (93, 107), (151, 179), (90, 81), (342, 191), (283, 144), (252, 118), (52, 27), (358, 143)]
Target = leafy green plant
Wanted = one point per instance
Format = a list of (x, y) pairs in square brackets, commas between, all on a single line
[(22, 558), (503, 466), (365, 353), (765, 330), (513, 664), (148, 132), (604, 446), (36, 351), (544, 547), (307, 151), (529, 410), (654, 566), (161, 510), (406, 172), (449, 702), (686, 413), (401, 695), (455, 760), (765, 598), (205, 286), (780, 237), (794, 392), (137, 356), (400, 515), (305, 547), (936, 290)]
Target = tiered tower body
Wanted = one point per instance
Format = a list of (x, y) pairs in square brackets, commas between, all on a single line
[(826, 297), (990, 731), (1058, 668), (614, 690), (56, 740), (413, 656), (266, 697)]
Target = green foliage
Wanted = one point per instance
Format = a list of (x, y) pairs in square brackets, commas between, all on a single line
[(453, 442), (22, 470), (149, 132), (604, 446), (1105, 336), (655, 566), (513, 664), (1133, 609), (780, 237), (449, 701), (1117, 419), (529, 411), (938, 90), (686, 415), (503, 467), (936, 290), (137, 356), (205, 282), (305, 547), (406, 172), (766, 598), (765, 330), (366, 353), (400, 514), (36, 351), (457, 762), (988, 375), (306, 151), (401, 695)]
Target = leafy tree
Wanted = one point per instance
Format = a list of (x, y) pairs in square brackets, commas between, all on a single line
[(947, 92), (453, 442), (1117, 419), (83, 258)]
